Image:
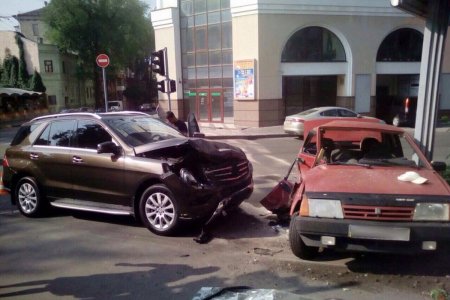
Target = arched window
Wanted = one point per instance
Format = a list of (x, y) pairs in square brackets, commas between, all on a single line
[(313, 44), (401, 45)]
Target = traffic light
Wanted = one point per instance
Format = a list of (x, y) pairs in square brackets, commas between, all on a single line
[(158, 64), (161, 86), (173, 86)]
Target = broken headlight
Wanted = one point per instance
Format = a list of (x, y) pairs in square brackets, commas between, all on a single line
[(187, 177)]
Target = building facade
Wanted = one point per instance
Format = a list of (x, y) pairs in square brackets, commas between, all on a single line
[(252, 62), (58, 70)]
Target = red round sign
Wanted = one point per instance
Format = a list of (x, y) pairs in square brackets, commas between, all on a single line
[(102, 60)]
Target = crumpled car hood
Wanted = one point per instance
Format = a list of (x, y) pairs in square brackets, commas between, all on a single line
[(208, 150), (374, 180)]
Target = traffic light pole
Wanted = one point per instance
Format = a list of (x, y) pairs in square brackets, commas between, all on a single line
[(167, 80)]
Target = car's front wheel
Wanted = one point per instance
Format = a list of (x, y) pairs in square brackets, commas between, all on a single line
[(159, 210), (298, 247), (28, 197)]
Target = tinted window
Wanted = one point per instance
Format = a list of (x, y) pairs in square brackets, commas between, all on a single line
[(346, 113), (58, 133), (23, 133), (329, 113), (89, 134)]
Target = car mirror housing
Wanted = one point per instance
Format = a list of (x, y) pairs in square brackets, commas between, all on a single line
[(108, 147), (439, 166)]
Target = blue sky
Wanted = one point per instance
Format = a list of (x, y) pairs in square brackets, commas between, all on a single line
[(13, 7)]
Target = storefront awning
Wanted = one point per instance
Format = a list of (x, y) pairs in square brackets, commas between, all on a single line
[(17, 92)]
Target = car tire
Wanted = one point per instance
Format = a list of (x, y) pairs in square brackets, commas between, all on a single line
[(298, 247), (396, 121), (159, 210), (28, 197)]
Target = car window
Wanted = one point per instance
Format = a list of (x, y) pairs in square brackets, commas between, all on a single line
[(307, 112), (58, 133), (329, 113), (89, 134), (23, 132), (346, 113), (140, 130)]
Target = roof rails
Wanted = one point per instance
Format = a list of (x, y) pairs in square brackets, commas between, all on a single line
[(95, 115)]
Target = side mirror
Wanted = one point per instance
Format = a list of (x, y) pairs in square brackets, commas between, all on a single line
[(108, 147), (439, 166)]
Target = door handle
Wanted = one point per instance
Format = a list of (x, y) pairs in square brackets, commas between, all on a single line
[(77, 160), (34, 156)]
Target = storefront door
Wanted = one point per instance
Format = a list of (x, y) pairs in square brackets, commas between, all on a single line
[(210, 105)]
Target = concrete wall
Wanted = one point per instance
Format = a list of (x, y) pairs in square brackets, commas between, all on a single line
[(8, 41)]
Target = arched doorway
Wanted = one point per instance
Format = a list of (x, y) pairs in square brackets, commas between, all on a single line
[(305, 88), (398, 68)]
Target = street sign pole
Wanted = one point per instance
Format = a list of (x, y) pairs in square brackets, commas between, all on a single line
[(104, 89), (102, 61)]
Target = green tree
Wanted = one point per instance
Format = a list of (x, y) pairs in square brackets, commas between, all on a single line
[(14, 76), (90, 27), (22, 76), (36, 83)]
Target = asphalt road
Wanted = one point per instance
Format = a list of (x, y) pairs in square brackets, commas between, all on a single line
[(74, 255)]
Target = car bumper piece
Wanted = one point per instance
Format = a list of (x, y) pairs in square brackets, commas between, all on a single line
[(402, 237)]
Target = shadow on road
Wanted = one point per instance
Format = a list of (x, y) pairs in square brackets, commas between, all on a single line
[(156, 281)]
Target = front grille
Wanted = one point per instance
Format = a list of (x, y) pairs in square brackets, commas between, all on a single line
[(228, 172), (382, 213)]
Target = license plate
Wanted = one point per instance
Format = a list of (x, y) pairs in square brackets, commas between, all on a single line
[(379, 233)]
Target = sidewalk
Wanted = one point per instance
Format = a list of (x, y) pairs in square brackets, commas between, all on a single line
[(230, 131)]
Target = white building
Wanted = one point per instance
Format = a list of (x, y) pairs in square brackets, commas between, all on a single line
[(252, 62)]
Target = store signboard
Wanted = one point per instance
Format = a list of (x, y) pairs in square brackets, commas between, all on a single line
[(244, 79)]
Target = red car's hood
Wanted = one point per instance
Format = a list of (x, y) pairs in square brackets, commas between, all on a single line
[(374, 180)]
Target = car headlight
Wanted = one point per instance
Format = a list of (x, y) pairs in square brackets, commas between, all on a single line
[(431, 212), (187, 177), (324, 208)]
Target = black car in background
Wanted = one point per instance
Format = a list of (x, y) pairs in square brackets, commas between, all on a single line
[(123, 163)]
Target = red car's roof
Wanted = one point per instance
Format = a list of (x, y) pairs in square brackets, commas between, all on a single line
[(360, 126)]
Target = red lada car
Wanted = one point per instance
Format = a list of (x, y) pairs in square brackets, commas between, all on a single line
[(364, 187)]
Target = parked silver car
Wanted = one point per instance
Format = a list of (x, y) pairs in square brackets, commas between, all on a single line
[(294, 124)]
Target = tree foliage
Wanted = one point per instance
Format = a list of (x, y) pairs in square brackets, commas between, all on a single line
[(22, 76), (36, 83), (90, 27)]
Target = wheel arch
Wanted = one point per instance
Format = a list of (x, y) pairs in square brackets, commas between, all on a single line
[(139, 191)]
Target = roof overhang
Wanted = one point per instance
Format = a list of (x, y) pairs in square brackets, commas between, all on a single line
[(17, 92)]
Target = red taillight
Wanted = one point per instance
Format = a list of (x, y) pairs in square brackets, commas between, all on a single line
[(5, 162), (406, 105)]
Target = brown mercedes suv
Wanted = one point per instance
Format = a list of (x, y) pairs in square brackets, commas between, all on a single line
[(123, 163)]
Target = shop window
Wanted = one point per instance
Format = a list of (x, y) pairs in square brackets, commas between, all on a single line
[(313, 44), (402, 45), (48, 66)]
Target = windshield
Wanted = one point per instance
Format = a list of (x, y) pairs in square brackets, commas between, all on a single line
[(368, 148), (140, 130)]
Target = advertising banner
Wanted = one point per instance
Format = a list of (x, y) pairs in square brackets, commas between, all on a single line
[(244, 79)]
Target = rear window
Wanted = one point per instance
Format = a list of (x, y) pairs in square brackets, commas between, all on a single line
[(23, 133)]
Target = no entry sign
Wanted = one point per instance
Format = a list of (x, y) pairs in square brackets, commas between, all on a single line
[(102, 60)]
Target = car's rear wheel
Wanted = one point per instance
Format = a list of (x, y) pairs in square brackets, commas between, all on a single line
[(28, 197), (159, 210), (298, 247), (396, 121)]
